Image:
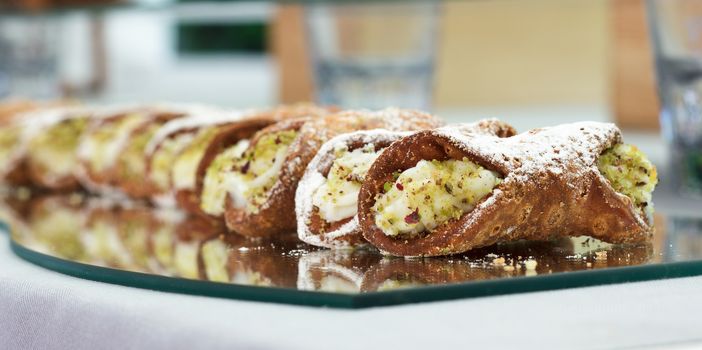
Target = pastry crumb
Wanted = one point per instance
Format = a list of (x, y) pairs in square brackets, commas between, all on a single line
[(498, 261), (530, 264), (509, 268)]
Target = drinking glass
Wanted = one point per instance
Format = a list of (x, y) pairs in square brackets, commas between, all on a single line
[(373, 55), (28, 56), (676, 32)]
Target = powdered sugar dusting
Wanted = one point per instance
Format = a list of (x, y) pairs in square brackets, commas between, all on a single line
[(568, 150), (313, 179), (193, 121)]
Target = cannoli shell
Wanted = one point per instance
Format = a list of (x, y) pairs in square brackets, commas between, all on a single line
[(551, 188)]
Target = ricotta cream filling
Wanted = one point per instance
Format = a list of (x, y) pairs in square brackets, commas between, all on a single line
[(163, 158), (102, 146), (433, 192), (132, 163), (184, 169), (630, 173), (258, 169), (215, 183), (337, 198), (54, 150)]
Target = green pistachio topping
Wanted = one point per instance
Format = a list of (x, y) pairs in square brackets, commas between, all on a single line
[(215, 183), (132, 163), (258, 169), (337, 198), (630, 173), (163, 158), (103, 140), (185, 168), (54, 150)]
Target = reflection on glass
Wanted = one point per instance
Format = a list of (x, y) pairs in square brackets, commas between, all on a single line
[(128, 236)]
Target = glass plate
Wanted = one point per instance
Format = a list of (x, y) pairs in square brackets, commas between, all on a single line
[(136, 246)]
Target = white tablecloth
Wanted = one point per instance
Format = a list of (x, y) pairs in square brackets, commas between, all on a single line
[(41, 309)]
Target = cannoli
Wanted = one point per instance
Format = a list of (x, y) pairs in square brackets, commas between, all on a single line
[(130, 167), (164, 147), (111, 152), (448, 191), (327, 197), (101, 145), (15, 132), (195, 173), (262, 182), (52, 140)]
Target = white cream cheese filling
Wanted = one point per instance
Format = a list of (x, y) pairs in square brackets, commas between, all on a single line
[(101, 147), (184, 172), (337, 198), (258, 169), (55, 150), (431, 193), (216, 180), (163, 158), (631, 174)]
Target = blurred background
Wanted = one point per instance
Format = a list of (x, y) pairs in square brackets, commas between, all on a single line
[(504, 53), (530, 62)]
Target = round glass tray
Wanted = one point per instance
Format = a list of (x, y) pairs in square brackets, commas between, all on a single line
[(161, 250)]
